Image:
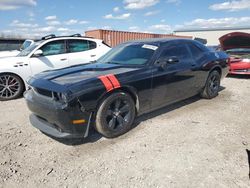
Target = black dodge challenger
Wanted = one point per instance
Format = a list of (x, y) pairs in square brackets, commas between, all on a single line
[(133, 78)]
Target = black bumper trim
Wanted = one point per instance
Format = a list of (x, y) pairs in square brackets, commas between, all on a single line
[(48, 129)]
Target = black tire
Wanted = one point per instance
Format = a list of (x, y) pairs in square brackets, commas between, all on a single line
[(212, 86), (11, 86), (114, 118)]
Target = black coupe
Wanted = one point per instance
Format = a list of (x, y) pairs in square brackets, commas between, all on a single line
[(133, 78)]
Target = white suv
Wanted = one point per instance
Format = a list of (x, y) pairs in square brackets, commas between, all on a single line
[(49, 53)]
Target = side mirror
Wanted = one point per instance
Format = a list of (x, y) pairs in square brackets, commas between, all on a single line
[(38, 53)]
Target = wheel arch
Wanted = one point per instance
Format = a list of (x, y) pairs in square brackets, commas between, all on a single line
[(130, 90), (217, 68), (12, 73)]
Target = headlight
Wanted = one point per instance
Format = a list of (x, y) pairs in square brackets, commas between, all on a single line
[(246, 60), (62, 97)]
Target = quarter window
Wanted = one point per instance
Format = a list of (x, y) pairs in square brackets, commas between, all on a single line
[(196, 52), (53, 48), (80, 45), (179, 51)]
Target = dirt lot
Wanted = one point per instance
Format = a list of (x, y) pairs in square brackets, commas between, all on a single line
[(194, 143)]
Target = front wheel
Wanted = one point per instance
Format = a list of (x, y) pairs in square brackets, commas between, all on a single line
[(11, 87), (115, 115), (212, 86)]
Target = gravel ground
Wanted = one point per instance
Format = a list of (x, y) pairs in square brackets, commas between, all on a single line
[(193, 143)]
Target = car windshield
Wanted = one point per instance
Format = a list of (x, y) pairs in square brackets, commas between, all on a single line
[(25, 45), (129, 54), (28, 50)]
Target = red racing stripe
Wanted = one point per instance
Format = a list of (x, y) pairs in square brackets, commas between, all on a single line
[(106, 82), (114, 81)]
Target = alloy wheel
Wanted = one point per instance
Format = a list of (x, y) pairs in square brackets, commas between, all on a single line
[(9, 86), (118, 114), (214, 84)]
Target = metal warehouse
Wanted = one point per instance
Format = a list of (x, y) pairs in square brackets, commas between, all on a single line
[(212, 35), (112, 37)]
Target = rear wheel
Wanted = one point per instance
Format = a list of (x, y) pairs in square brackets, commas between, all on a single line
[(212, 86), (115, 115), (11, 87)]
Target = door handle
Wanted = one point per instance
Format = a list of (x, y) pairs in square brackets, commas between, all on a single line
[(92, 55), (63, 59)]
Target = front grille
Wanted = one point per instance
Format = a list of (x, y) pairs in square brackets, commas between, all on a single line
[(242, 70), (44, 92), (49, 124)]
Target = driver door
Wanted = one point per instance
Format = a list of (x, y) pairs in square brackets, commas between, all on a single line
[(175, 81), (54, 56)]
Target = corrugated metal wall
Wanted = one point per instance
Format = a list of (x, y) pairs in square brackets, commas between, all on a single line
[(113, 38)]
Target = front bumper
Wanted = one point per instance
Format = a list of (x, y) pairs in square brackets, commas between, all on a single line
[(56, 119), (49, 129), (240, 68), (240, 71)]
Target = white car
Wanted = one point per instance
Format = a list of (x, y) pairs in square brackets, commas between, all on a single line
[(49, 53), (11, 53)]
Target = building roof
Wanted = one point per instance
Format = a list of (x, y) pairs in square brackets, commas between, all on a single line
[(212, 29)]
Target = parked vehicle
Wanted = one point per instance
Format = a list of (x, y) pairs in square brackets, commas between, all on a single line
[(49, 53), (15, 52), (237, 45), (131, 79)]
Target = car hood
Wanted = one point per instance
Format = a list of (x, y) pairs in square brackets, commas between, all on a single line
[(9, 53), (60, 79), (235, 40), (6, 61)]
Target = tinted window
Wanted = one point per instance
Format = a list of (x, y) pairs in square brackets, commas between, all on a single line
[(80, 45), (53, 48), (92, 44), (201, 46), (179, 51), (196, 52)]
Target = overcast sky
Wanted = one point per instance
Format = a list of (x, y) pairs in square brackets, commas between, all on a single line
[(35, 18)]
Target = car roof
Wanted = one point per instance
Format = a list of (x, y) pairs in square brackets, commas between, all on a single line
[(68, 38), (158, 40)]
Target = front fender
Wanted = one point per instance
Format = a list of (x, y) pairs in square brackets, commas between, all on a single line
[(91, 100)]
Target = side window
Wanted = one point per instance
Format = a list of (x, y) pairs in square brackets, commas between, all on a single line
[(92, 45), (80, 45), (179, 51), (53, 48), (201, 46), (196, 52)]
